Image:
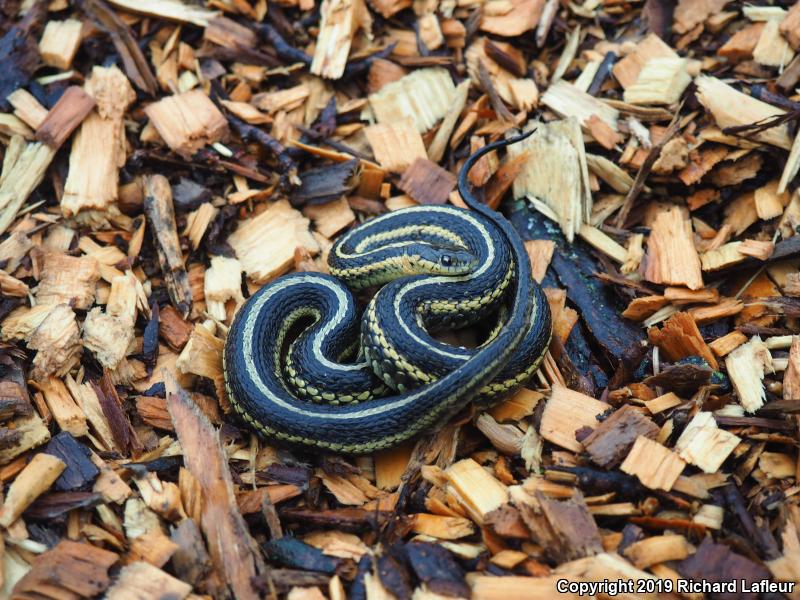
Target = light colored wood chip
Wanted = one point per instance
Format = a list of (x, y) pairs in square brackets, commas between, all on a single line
[(710, 516), (339, 22), (23, 321), (727, 307), (764, 13), (331, 217), (60, 42), (705, 445), (85, 396), (173, 10), (247, 112), (567, 411), (508, 559), (680, 296), (12, 287), (741, 213), (606, 565), (555, 173), (108, 337), (769, 201), (443, 528), (540, 252), (65, 411), (777, 465), (726, 344), (424, 97), (772, 50), (759, 249), (347, 489), (11, 125), (680, 337), (35, 479), (337, 543), (741, 44), (187, 122), (390, 465), (791, 376), (627, 69), (566, 100), (790, 26), (616, 509), (265, 244), (99, 146), (27, 108), (198, 222), (691, 13), (32, 431), (438, 146), (671, 254), (643, 307), (143, 580), (507, 438), (286, 99), (746, 367), (396, 145), (516, 587), (476, 489), (719, 258), (223, 282), (521, 16), (731, 108), (663, 402), (57, 341), (518, 406), (305, 593), (24, 167), (398, 202), (613, 175), (202, 355), (661, 81), (604, 243), (430, 32), (656, 467), (68, 280), (657, 549)]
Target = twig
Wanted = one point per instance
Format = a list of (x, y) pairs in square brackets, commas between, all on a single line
[(644, 171), (250, 133), (494, 98)]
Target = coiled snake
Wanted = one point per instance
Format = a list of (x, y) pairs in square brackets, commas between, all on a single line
[(297, 370)]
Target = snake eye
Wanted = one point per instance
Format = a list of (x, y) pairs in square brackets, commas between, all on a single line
[(446, 260)]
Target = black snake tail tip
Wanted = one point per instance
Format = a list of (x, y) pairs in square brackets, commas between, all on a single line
[(464, 188)]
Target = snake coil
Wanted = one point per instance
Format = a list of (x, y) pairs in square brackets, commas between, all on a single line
[(315, 388)]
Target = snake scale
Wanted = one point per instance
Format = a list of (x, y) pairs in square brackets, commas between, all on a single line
[(303, 365)]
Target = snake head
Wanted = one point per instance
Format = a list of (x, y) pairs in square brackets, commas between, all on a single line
[(440, 260)]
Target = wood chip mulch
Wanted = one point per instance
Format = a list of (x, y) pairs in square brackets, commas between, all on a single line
[(163, 160)]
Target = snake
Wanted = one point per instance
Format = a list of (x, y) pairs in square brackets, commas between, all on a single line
[(303, 365)]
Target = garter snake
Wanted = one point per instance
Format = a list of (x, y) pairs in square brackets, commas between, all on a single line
[(440, 267)]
